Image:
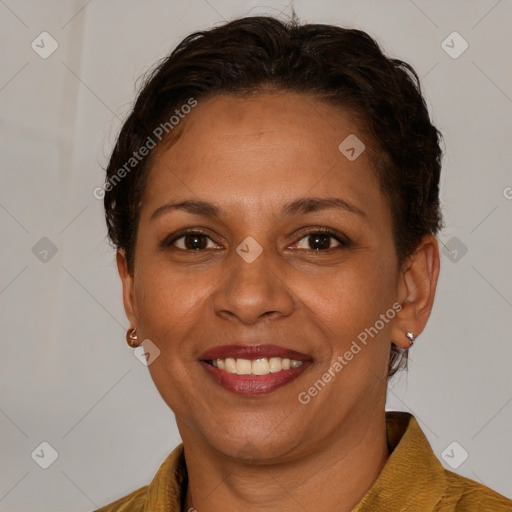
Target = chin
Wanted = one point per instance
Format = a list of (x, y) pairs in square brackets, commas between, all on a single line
[(262, 443)]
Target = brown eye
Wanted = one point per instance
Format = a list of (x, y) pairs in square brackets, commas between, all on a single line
[(193, 242), (320, 242)]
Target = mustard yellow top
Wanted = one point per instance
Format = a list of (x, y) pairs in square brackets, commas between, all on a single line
[(412, 480)]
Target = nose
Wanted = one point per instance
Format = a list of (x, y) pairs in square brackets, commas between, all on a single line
[(253, 291)]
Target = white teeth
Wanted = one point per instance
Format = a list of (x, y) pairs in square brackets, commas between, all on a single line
[(230, 365), (274, 364), (261, 366), (243, 366)]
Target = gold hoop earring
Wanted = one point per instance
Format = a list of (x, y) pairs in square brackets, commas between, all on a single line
[(131, 338)]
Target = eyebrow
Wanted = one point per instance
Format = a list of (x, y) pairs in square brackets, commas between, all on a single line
[(298, 207)]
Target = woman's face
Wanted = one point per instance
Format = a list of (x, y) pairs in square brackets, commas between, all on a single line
[(294, 250)]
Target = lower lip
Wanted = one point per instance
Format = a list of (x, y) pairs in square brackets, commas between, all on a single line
[(253, 384)]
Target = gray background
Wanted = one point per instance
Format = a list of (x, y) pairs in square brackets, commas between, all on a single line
[(67, 375)]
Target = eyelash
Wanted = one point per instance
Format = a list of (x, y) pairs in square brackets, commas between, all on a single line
[(344, 241)]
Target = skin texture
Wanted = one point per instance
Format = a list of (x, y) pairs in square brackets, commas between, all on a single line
[(250, 156)]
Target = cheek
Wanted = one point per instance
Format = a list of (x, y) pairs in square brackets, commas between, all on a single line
[(353, 295), (164, 295), (353, 308), (167, 306), (167, 311)]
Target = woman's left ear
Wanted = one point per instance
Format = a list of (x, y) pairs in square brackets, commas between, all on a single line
[(417, 288)]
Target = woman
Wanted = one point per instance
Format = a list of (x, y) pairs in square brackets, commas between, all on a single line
[(274, 201)]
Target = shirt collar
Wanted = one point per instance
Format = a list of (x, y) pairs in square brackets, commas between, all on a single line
[(398, 487), (167, 491)]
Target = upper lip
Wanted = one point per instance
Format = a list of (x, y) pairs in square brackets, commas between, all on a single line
[(252, 352)]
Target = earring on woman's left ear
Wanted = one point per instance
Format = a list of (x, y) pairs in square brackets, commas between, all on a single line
[(410, 337)]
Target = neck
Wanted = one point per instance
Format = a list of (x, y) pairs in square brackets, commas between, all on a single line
[(333, 478)]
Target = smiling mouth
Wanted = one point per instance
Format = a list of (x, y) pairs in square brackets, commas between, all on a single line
[(253, 369), (260, 366)]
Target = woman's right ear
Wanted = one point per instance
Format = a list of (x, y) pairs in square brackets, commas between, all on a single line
[(127, 282)]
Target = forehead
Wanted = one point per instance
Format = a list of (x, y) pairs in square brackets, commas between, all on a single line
[(264, 148), (280, 119)]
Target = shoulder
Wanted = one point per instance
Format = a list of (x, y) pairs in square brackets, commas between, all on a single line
[(466, 495), (414, 478), (170, 477), (133, 502)]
